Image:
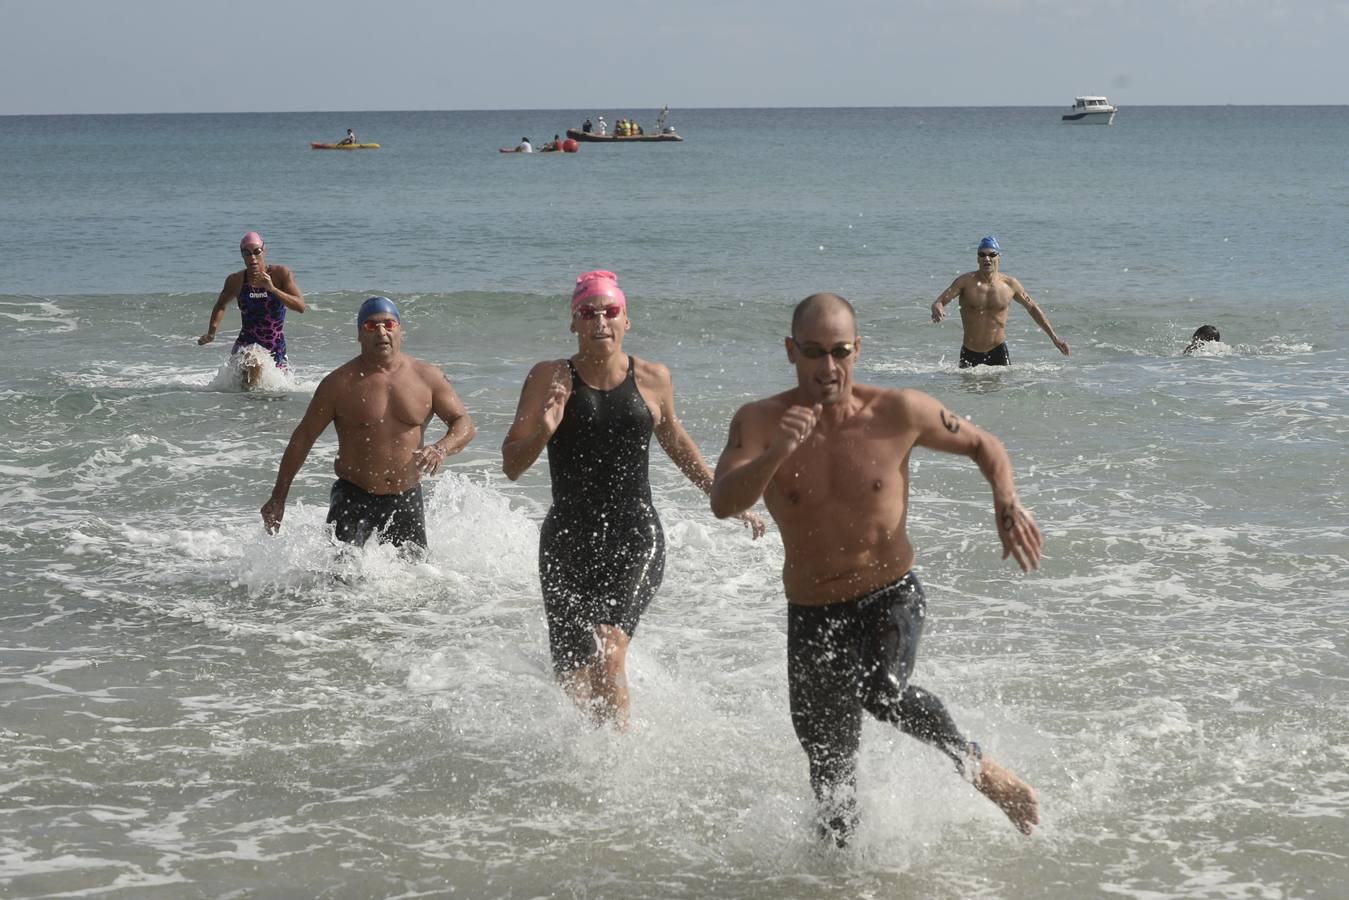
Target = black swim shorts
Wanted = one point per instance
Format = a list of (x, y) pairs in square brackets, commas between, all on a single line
[(356, 515)]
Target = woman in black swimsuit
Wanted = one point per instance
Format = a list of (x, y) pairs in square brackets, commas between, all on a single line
[(601, 548)]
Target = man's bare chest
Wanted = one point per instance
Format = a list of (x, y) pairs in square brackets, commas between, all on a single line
[(986, 298), (383, 404), (851, 473)]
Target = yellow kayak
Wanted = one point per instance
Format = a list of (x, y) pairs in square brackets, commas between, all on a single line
[(315, 145)]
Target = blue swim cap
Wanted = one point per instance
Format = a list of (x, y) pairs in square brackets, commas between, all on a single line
[(990, 243), (376, 305)]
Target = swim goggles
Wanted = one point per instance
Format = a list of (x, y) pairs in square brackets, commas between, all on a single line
[(589, 312)]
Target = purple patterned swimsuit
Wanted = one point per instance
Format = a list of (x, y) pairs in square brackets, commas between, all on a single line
[(263, 315)]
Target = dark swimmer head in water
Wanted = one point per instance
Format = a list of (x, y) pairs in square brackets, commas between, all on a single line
[(1202, 335)]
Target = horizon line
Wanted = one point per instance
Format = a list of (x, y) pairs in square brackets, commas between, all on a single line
[(543, 109)]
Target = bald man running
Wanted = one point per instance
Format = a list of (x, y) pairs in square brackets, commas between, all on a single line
[(830, 458)]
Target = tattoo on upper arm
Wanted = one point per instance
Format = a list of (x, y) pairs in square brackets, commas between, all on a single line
[(951, 424)]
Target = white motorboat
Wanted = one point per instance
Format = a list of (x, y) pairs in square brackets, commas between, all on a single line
[(1090, 111)]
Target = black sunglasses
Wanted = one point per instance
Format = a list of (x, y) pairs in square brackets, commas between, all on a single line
[(838, 351)]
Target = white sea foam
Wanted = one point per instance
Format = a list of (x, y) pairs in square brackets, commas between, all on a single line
[(38, 317), (233, 374)]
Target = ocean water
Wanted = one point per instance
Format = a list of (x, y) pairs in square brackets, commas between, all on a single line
[(192, 708)]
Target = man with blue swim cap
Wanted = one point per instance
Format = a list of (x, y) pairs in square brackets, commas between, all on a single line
[(986, 297), (380, 402)]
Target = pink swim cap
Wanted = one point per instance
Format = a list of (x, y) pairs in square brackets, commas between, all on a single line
[(252, 239), (598, 283)]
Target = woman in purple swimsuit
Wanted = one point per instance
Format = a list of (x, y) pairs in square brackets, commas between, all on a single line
[(263, 293)]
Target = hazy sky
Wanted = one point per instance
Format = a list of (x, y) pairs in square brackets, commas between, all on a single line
[(95, 56)]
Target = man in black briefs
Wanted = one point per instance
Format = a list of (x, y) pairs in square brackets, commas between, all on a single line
[(380, 403), (986, 297), (830, 459)]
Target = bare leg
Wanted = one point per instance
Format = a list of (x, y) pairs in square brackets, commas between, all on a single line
[(252, 372), (1012, 795), (600, 687), (609, 677)]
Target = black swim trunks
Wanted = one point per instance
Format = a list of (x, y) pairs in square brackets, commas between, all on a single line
[(601, 547), (853, 657), (998, 356), (357, 514)]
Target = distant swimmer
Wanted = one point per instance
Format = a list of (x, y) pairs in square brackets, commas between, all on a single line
[(381, 403), (830, 457), (986, 296), (601, 547), (1204, 334), (349, 139), (264, 293)]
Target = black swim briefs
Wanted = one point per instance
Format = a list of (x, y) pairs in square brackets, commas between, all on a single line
[(998, 356)]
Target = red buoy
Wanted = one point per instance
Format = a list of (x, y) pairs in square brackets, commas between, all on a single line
[(570, 145)]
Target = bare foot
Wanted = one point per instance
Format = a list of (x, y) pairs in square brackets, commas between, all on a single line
[(1012, 795)]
